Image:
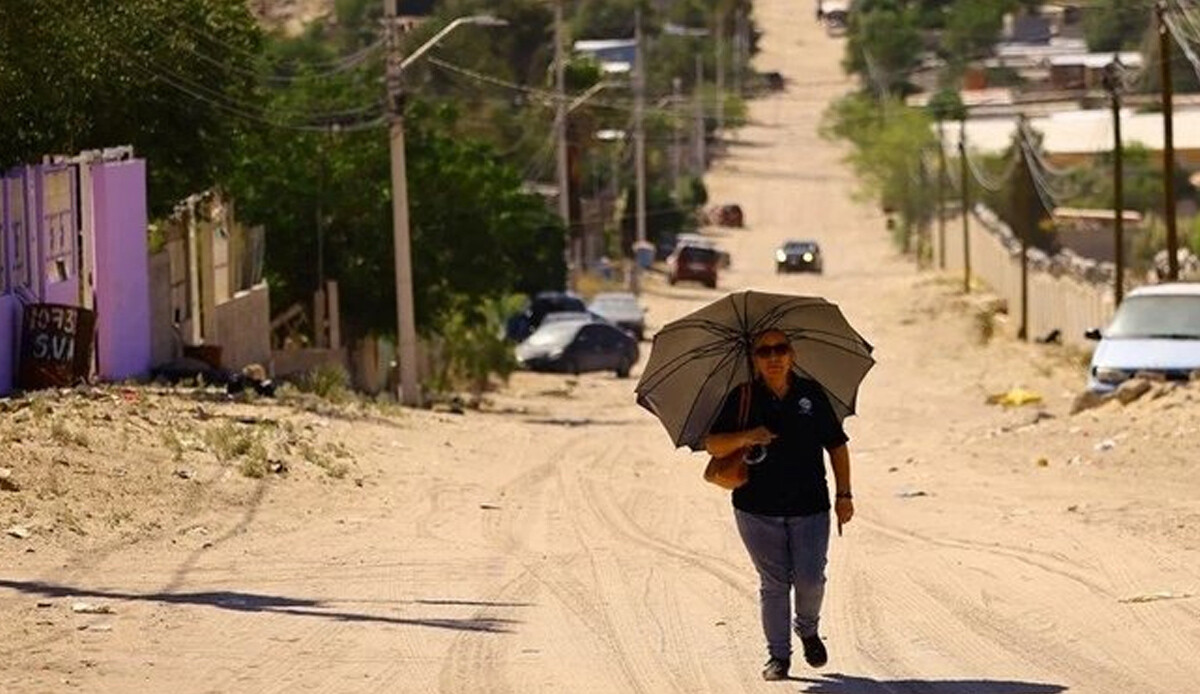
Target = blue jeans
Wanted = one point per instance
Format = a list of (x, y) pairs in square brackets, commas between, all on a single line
[(789, 553)]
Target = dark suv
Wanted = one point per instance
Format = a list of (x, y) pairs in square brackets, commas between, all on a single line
[(522, 325), (799, 256), (694, 263)]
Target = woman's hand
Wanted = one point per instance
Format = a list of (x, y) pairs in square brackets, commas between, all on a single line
[(758, 436), (844, 508)]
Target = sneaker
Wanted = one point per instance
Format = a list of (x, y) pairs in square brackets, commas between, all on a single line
[(776, 669), (814, 651)]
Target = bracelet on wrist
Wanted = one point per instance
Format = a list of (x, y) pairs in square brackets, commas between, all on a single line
[(845, 495)]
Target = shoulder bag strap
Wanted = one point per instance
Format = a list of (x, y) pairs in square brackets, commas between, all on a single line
[(744, 406)]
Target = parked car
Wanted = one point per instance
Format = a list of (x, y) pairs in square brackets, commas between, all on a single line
[(577, 346), (520, 326), (799, 256), (693, 263), (727, 216), (1156, 329), (692, 239), (622, 310), (561, 316)]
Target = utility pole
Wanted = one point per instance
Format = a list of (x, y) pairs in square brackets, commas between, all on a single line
[(740, 48), (701, 135), (1025, 217), (720, 72), (406, 326), (1168, 105), (966, 205), (941, 191), (1112, 82), (560, 127), (677, 133), (639, 86)]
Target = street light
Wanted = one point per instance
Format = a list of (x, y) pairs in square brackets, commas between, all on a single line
[(406, 326)]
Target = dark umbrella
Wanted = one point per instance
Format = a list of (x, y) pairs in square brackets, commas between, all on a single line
[(699, 359)]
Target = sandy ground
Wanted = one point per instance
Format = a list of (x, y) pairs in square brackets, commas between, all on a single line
[(557, 543)]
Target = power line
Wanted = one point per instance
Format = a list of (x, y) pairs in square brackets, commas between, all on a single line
[(339, 67), (187, 27), (256, 116)]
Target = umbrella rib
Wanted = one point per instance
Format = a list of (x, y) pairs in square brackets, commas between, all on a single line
[(819, 335), (655, 379), (773, 315), (728, 357), (701, 323)]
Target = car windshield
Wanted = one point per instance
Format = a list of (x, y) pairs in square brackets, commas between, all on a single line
[(556, 333), (696, 254), (800, 247), (615, 302), (1157, 316)]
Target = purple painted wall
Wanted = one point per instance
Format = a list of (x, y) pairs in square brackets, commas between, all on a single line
[(58, 249), (9, 306), (122, 275)]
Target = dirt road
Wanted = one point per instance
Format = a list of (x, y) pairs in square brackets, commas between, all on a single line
[(560, 544)]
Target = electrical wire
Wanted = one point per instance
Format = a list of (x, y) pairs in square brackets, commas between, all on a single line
[(234, 104), (315, 72), (318, 66), (256, 116)]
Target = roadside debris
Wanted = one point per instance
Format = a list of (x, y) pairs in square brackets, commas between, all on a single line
[(1016, 397), (1106, 445), (90, 608), (19, 531), (1088, 400), (7, 483), (1155, 597), (1133, 389)]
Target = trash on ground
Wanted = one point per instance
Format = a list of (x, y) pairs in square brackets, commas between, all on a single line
[(1015, 398), (1155, 597), (18, 531), (90, 608)]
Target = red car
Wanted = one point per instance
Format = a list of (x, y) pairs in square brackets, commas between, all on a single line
[(693, 263)]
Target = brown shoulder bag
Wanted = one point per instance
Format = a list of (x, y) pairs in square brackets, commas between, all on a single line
[(731, 471)]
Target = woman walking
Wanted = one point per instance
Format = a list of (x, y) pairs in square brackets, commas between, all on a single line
[(783, 510)]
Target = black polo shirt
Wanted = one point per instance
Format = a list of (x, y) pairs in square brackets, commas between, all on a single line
[(791, 481)]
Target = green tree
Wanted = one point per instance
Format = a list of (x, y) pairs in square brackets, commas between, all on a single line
[(972, 28), (475, 233), (883, 45), (162, 75), (890, 144), (1113, 25)]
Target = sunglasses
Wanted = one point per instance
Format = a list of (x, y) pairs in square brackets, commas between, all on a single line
[(776, 350)]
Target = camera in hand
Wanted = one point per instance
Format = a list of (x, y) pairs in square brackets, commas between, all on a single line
[(756, 454)]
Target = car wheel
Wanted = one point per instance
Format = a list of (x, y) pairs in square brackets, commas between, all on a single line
[(571, 366), (711, 284), (623, 367)]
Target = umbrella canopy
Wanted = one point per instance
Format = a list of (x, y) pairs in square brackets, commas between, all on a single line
[(699, 359)]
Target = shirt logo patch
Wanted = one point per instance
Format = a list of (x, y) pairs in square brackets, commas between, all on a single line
[(805, 406)]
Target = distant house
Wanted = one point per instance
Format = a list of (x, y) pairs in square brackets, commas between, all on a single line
[(616, 56), (1077, 137), (413, 13), (1076, 71)]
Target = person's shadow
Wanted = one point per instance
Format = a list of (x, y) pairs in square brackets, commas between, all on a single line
[(849, 684)]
